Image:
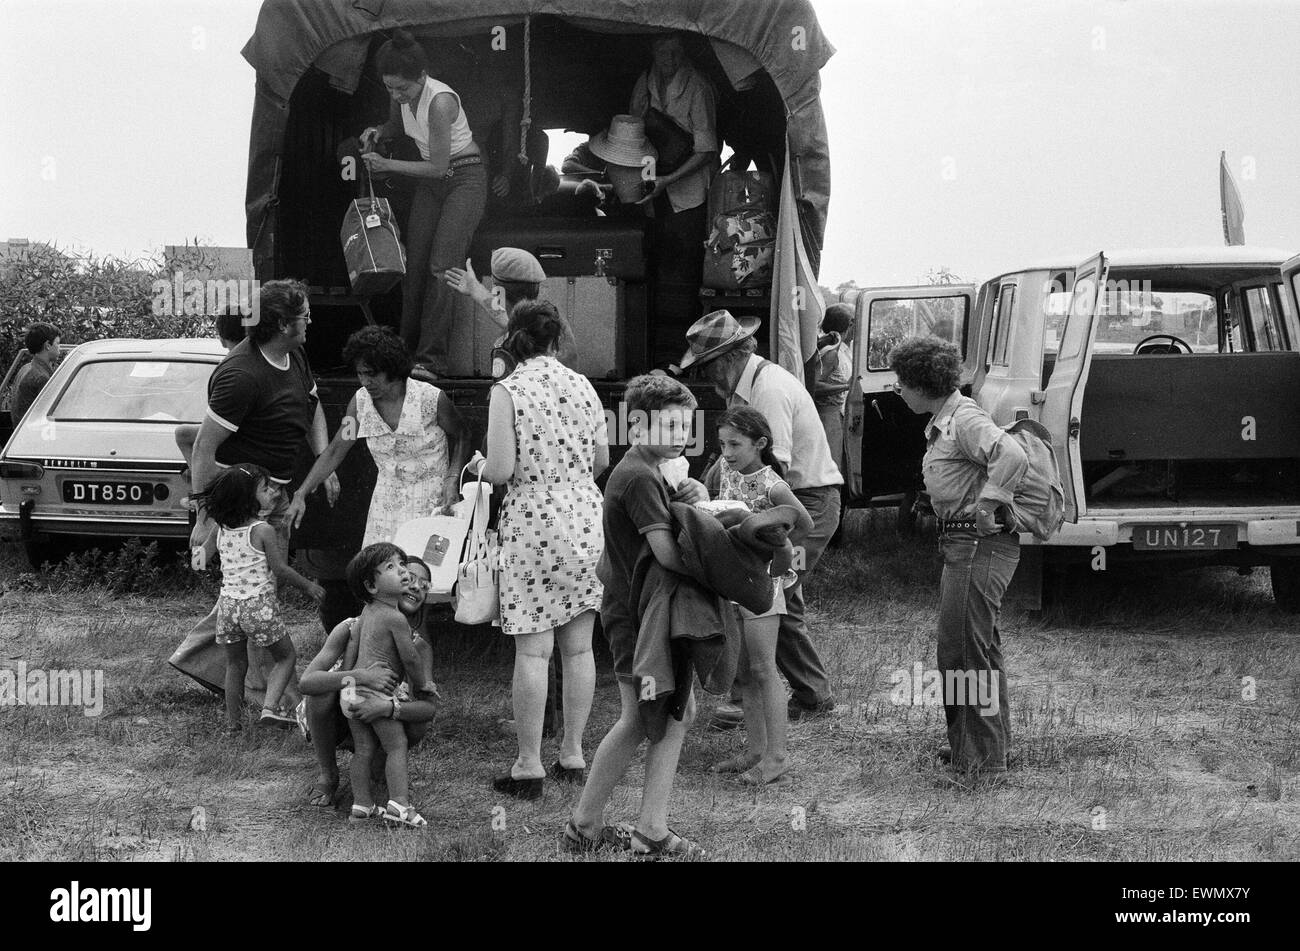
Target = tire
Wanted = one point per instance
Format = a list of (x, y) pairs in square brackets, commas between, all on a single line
[(1286, 584), (42, 548)]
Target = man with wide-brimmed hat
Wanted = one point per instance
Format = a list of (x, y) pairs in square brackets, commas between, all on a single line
[(723, 348)]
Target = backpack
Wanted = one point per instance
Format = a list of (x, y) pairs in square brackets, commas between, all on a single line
[(1038, 502), (742, 215)]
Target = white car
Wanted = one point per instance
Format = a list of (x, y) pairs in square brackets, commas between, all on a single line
[(95, 455)]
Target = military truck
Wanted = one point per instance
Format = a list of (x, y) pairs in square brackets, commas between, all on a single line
[(572, 66)]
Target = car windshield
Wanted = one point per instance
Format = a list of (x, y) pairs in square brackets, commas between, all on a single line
[(1127, 316), (151, 391)]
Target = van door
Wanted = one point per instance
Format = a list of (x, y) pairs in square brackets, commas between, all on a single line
[(1063, 397), (1291, 298), (883, 439)]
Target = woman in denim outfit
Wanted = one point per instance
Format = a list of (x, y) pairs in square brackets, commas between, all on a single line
[(450, 194), (971, 470)]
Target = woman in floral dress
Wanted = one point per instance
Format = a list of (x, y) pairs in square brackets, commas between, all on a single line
[(413, 431), (547, 440)]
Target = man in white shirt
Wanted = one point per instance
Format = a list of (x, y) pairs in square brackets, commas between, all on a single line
[(725, 348)]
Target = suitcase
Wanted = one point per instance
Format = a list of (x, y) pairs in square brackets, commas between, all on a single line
[(372, 245), (589, 263)]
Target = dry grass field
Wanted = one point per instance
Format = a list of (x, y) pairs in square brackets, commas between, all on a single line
[(1135, 737)]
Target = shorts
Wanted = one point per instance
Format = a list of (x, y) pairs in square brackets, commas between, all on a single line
[(255, 619), (620, 630), (402, 694)]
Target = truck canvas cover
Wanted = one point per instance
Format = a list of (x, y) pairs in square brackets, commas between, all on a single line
[(782, 37)]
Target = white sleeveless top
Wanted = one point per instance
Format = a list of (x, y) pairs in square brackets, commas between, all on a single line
[(416, 124), (245, 572)]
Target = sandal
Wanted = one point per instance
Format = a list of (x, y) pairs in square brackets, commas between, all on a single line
[(670, 846), (403, 815), (365, 813), (565, 774), (274, 718), (322, 795), (519, 788), (611, 837)]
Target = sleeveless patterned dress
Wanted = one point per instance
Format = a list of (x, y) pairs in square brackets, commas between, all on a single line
[(550, 528), (755, 490), (411, 459)]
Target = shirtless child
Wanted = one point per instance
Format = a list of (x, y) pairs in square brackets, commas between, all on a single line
[(378, 576)]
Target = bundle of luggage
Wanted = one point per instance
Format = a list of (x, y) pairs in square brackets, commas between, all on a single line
[(740, 249)]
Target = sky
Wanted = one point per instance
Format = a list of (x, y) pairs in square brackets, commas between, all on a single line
[(977, 136)]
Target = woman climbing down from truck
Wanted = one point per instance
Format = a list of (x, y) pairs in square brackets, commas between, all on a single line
[(450, 194)]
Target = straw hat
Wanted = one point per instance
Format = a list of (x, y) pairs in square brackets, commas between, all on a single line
[(714, 334), (625, 142)]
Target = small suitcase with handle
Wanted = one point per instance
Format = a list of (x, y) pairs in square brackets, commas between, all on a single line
[(372, 245)]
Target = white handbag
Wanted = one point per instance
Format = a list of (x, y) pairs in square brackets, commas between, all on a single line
[(441, 539), (478, 590)]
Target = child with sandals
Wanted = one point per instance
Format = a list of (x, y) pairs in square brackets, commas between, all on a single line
[(378, 576)]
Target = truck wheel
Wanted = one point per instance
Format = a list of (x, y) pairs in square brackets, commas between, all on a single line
[(1286, 584)]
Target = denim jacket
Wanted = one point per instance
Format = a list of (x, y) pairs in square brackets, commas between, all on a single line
[(968, 457)]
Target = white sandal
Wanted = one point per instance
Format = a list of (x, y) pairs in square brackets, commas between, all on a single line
[(365, 813), (404, 815)]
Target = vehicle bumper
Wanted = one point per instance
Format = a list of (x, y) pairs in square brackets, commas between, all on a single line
[(101, 526), (1268, 532)]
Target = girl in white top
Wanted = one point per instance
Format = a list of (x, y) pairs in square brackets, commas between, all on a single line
[(749, 472), (449, 198), (248, 609)]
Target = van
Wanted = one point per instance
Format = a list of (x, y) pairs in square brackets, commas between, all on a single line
[(1168, 379)]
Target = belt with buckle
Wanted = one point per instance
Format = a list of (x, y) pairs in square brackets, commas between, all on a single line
[(462, 162), (966, 525)]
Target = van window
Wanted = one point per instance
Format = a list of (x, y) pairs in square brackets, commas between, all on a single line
[(1264, 310), (1002, 328), (890, 322)]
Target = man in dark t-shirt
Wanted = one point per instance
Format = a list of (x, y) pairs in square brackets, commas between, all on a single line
[(262, 402)]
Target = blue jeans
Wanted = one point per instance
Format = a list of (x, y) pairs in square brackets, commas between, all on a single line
[(976, 572), (444, 216)]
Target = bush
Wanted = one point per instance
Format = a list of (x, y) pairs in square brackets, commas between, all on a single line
[(87, 296), (132, 568)]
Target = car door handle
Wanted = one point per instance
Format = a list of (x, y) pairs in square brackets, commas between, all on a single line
[(1037, 396)]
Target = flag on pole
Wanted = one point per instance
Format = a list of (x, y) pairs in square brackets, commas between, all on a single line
[(797, 305), (1234, 212)]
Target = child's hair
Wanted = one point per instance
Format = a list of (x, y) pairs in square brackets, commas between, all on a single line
[(231, 499), (752, 424), (653, 391), (401, 56), (838, 319), (230, 327), (535, 327), (39, 335), (364, 564)]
